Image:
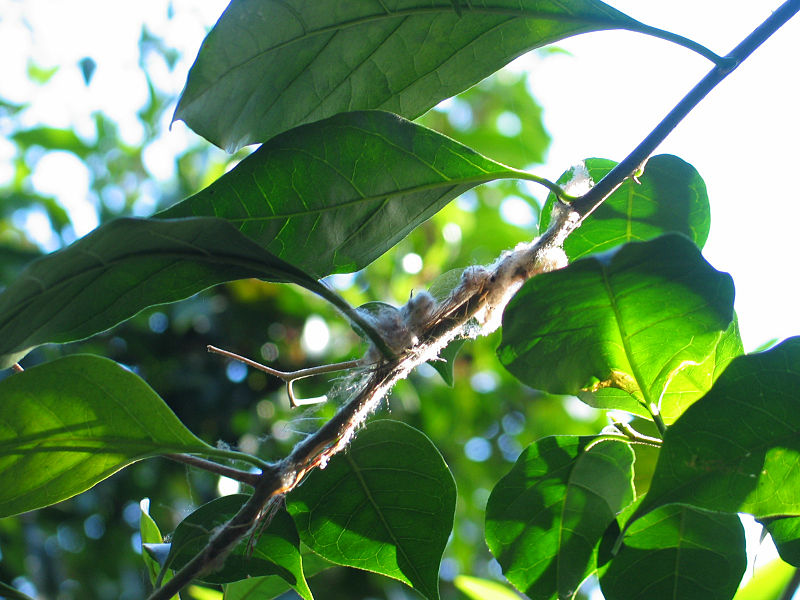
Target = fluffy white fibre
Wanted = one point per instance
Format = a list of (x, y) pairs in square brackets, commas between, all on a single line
[(580, 183)]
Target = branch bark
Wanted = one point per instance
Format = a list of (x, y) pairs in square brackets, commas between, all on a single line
[(482, 295)]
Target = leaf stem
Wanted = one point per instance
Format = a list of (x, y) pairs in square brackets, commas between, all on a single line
[(656, 414), (239, 456), (355, 317), (587, 203), (553, 187), (207, 465), (680, 40)]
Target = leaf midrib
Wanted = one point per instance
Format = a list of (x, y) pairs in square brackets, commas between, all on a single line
[(357, 471), (624, 338)]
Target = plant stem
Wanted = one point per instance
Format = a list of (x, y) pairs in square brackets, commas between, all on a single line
[(587, 203), (289, 377), (681, 41), (355, 317), (240, 456), (201, 463)]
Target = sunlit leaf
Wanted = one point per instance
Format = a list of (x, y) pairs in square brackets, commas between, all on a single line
[(630, 319), (678, 552), (545, 519), (121, 268), (385, 506), (67, 424), (768, 582), (687, 385), (785, 533), (476, 588), (737, 449), (670, 197), (333, 196), (267, 67), (273, 550)]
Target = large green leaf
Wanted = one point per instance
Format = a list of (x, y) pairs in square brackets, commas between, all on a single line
[(785, 533), (335, 195), (70, 423), (678, 553), (121, 268), (670, 196), (737, 449), (269, 66), (630, 319), (272, 550), (385, 506), (545, 519)]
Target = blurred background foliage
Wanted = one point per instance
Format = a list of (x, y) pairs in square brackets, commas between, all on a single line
[(88, 547)]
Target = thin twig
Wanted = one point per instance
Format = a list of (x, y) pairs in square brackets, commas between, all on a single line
[(289, 377), (633, 435), (207, 465)]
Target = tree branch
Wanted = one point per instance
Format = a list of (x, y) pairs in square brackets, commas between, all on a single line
[(481, 296)]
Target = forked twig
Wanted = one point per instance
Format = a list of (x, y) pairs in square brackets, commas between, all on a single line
[(289, 377)]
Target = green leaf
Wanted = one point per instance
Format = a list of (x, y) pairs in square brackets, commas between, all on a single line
[(670, 198), (545, 519), (266, 588), (687, 385), (476, 588), (631, 319), (70, 423), (151, 534), (333, 196), (267, 67), (121, 268), (768, 582), (273, 550), (681, 553), (385, 506), (203, 593), (785, 533), (447, 360), (737, 449)]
